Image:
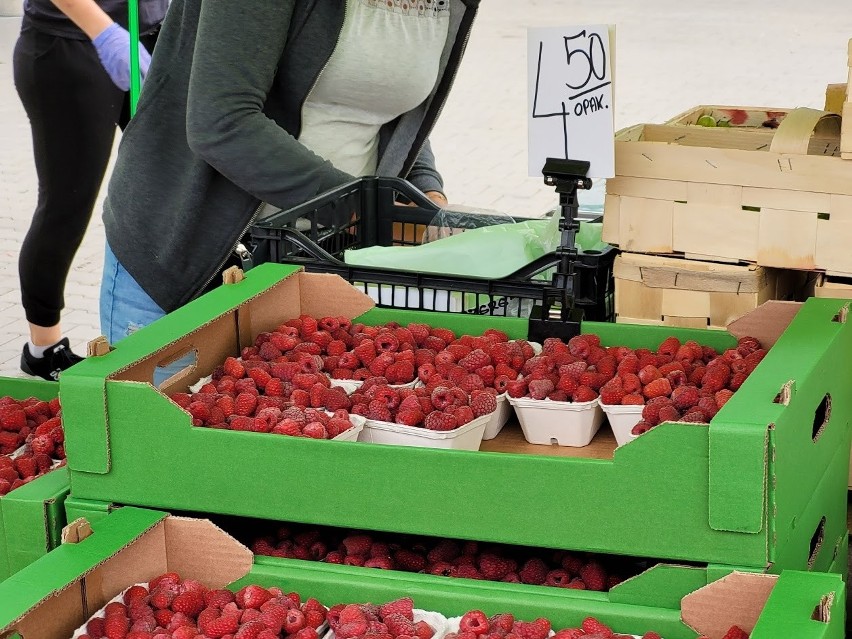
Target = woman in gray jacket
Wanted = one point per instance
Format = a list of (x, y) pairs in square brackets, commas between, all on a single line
[(266, 102)]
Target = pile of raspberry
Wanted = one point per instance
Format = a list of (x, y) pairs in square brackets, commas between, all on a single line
[(677, 382), (175, 608), (342, 350), (32, 430), (444, 557), (443, 406), (295, 366), (475, 624), (393, 620)]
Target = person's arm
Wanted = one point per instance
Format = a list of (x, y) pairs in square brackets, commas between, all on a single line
[(111, 40), (238, 48), (425, 176), (86, 14)]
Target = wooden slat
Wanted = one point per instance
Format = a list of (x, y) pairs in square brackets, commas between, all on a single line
[(787, 239), (728, 195), (648, 188), (840, 208), (716, 230), (785, 199), (645, 225), (634, 299), (733, 166), (611, 221), (832, 246)]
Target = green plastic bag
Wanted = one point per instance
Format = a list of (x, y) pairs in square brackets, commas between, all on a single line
[(491, 252)]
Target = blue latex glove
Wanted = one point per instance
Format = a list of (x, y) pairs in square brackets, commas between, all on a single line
[(113, 47)]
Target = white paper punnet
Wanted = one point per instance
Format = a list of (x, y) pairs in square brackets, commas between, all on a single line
[(467, 437), (544, 421), (498, 418), (100, 614), (622, 419)]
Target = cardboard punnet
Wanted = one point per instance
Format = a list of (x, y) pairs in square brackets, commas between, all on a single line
[(731, 493), (31, 516), (56, 594)]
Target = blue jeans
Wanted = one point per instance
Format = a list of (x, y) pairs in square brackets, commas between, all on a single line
[(126, 307)]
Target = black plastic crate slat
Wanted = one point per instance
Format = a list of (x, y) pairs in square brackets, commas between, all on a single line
[(363, 214)]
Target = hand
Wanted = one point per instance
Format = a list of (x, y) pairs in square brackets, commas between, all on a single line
[(438, 198), (113, 47)]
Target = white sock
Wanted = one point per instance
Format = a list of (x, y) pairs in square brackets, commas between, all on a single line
[(38, 351)]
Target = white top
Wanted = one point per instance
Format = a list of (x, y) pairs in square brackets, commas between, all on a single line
[(385, 63)]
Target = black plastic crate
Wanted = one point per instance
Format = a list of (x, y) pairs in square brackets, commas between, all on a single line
[(389, 211)]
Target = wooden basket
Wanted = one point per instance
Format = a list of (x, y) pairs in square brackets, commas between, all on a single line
[(777, 197), (665, 291)]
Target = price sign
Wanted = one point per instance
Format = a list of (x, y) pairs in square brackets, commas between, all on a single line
[(570, 97)]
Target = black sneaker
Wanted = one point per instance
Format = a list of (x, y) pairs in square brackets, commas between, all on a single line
[(55, 360)]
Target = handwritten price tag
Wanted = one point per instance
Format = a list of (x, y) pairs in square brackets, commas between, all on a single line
[(570, 97)]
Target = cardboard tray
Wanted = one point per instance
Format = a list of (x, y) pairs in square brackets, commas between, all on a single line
[(732, 493), (31, 516), (52, 597)]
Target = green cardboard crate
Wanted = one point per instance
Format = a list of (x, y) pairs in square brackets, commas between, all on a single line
[(733, 493), (823, 548), (56, 594), (31, 516)]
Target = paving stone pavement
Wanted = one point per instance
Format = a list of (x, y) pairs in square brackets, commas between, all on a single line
[(670, 55)]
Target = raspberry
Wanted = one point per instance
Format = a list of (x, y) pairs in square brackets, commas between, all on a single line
[(594, 576), (651, 412), (685, 397), (335, 399), (444, 334), (612, 393), (116, 626), (400, 372), (634, 399), (538, 629), (648, 374), (606, 365), (357, 544), (722, 397), (403, 606), (579, 346), (593, 379), (558, 578), (495, 567), (584, 394), (442, 397), (245, 404), (409, 560), (540, 388), (737, 381), (474, 621), (570, 633), (592, 626), (694, 417), (189, 603), (669, 413), (534, 571), (483, 403), (386, 342), (476, 359), (463, 414), (437, 420), (717, 377), (409, 416), (658, 388), (736, 633)]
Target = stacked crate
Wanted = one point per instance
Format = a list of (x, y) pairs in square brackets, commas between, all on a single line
[(769, 191), (31, 516), (761, 489)]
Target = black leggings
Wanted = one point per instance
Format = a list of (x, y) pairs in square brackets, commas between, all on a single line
[(73, 108)]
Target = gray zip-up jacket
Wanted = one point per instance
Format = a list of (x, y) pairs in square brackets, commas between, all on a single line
[(216, 133)]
